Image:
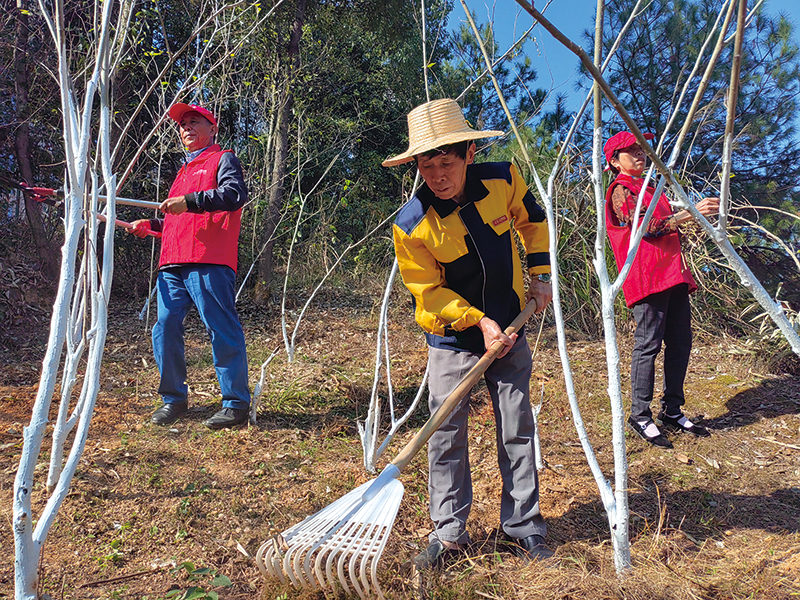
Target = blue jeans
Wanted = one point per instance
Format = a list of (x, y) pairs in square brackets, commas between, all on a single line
[(211, 289), (661, 318)]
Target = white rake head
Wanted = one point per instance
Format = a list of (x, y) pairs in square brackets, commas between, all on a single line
[(344, 540)]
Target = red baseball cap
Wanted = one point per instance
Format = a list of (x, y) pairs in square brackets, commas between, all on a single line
[(623, 139), (179, 109)]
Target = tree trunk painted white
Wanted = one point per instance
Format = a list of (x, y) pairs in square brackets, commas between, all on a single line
[(80, 317), (92, 291), (75, 345), (748, 280), (618, 513), (537, 443), (26, 549), (614, 501), (616, 507), (289, 340), (369, 430)]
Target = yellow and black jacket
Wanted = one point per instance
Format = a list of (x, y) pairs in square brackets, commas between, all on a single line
[(460, 262)]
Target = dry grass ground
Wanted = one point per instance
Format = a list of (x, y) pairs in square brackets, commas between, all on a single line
[(715, 518)]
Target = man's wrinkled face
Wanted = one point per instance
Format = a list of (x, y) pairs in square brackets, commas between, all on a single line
[(196, 131), (446, 174)]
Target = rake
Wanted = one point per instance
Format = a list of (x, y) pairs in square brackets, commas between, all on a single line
[(344, 541)]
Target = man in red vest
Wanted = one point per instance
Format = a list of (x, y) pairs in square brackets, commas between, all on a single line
[(199, 250), (657, 290)]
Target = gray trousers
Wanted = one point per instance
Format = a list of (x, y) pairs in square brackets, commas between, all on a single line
[(449, 480)]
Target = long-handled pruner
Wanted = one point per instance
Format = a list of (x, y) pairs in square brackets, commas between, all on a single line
[(56, 198)]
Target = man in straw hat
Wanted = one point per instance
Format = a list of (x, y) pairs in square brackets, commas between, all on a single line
[(457, 256), (199, 252)]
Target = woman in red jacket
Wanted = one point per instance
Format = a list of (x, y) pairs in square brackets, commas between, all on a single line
[(657, 289), (199, 250)]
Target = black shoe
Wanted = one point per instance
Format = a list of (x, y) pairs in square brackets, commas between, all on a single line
[(168, 414), (674, 424), (529, 548), (640, 428), (434, 556), (227, 417)]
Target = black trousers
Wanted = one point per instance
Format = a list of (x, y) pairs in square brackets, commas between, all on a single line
[(665, 318)]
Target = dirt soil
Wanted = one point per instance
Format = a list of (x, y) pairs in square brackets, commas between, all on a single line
[(715, 518)]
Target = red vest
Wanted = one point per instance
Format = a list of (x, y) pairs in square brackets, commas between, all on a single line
[(658, 264), (208, 238)]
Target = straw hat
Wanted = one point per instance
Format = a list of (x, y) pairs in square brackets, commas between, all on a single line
[(434, 124)]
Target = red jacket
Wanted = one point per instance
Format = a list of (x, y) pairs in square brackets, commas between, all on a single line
[(658, 264), (205, 238)]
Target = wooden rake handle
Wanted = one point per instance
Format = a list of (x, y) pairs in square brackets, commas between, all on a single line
[(457, 395)]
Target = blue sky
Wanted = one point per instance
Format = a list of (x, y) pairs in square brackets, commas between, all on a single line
[(557, 67)]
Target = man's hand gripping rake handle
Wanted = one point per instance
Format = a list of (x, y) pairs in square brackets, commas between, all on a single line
[(400, 462)]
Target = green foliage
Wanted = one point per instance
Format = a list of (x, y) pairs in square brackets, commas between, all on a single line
[(356, 72), (481, 104), (201, 574), (652, 63), (188, 495), (654, 60), (113, 555)]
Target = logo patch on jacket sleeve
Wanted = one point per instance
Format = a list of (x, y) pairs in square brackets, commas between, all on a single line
[(499, 220)]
